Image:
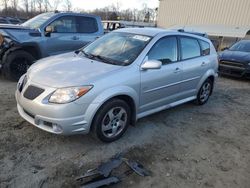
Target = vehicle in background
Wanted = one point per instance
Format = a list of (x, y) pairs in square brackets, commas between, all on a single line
[(23, 20), (44, 35), (123, 76), (235, 61), (110, 25), (10, 20)]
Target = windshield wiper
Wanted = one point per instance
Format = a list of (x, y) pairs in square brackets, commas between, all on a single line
[(84, 53), (104, 59), (100, 58)]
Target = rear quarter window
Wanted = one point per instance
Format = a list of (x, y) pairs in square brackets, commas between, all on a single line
[(190, 48), (87, 25), (205, 47)]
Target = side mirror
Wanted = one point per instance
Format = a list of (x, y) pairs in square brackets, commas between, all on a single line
[(48, 30), (151, 64)]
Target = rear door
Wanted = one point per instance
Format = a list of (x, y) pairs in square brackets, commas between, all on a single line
[(195, 63), (161, 86), (88, 29)]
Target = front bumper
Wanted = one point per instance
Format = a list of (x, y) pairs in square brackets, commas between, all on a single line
[(234, 70), (63, 119)]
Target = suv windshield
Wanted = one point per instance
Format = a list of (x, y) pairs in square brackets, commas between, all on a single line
[(36, 22), (117, 48), (243, 46)]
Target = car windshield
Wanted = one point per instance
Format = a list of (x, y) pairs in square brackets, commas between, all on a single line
[(243, 46), (36, 22), (117, 48)]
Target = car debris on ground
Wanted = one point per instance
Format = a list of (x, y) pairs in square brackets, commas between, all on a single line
[(103, 176)]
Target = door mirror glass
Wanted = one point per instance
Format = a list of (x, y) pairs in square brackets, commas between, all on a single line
[(151, 64), (49, 29)]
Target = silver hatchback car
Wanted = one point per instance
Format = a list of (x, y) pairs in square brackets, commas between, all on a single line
[(119, 78)]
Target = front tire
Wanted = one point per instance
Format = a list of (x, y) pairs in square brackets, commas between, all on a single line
[(16, 63), (204, 92), (111, 121)]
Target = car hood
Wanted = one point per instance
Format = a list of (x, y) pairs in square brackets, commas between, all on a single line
[(18, 33), (12, 26), (236, 56), (68, 70)]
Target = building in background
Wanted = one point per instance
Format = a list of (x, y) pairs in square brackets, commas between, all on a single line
[(226, 21)]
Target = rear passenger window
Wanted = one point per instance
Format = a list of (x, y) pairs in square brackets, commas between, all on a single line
[(87, 25), (190, 48), (165, 50), (205, 47)]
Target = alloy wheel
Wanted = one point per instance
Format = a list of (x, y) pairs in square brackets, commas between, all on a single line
[(205, 91), (114, 122)]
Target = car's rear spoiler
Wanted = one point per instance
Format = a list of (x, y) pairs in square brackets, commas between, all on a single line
[(194, 33)]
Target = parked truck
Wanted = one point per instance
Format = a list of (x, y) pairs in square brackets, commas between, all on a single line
[(47, 34)]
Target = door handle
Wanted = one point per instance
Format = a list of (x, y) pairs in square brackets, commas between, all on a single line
[(203, 64), (75, 38), (177, 70)]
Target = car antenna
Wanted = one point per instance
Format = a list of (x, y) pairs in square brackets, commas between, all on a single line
[(187, 20)]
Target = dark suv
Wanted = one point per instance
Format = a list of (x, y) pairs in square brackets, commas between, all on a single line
[(10, 20), (44, 35)]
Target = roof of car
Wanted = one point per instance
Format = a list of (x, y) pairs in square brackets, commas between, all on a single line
[(144, 31), (149, 31), (74, 13)]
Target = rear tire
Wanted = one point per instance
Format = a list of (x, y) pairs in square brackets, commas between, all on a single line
[(111, 121), (16, 63), (204, 92)]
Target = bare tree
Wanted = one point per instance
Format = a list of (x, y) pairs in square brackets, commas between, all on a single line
[(56, 3), (26, 5), (14, 4), (68, 5), (47, 5), (40, 5), (5, 3), (32, 5)]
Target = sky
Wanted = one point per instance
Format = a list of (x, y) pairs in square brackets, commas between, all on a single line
[(124, 4)]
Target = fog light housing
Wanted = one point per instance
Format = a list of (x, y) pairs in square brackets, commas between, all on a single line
[(57, 128)]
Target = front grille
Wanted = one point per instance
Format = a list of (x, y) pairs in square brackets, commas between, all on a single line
[(230, 63), (33, 92)]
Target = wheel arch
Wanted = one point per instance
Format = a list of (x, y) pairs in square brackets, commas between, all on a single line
[(126, 94), (32, 48), (210, 74)]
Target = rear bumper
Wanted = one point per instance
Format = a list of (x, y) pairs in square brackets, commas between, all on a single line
[(239, 72)]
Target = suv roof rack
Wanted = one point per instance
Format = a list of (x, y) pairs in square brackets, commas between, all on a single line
[(194, 33)]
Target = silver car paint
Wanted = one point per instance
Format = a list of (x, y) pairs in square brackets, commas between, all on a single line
[(151, 90)]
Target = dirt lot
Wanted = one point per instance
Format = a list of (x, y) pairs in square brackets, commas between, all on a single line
[(187, 146)]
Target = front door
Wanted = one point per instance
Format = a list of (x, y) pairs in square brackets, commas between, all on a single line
[(161, 86), (64, 37)]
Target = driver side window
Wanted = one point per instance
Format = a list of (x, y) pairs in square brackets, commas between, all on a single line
[(65, 24), (165, 50)]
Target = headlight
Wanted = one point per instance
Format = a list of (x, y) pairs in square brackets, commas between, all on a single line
[(248, 64), (66, 95)]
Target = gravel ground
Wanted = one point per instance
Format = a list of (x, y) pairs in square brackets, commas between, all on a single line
[(187, 146)]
